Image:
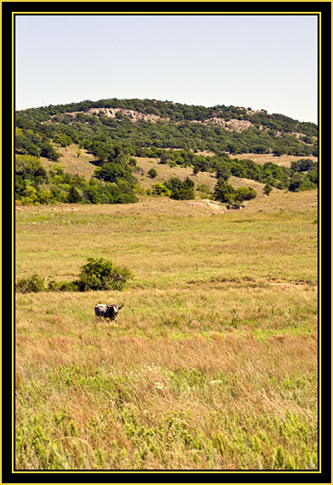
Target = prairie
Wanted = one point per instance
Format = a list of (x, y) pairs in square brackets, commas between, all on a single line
[(212, 363)]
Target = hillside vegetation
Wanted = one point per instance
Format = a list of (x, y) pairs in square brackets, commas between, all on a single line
[(112, 136)]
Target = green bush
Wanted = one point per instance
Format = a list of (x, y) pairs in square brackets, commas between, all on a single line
[(152, 173), (62, 286), (97, 274), (102, 274), (33, 284), (223, 191), (244, 193), (181, 190), (267, 189), (160, 189)]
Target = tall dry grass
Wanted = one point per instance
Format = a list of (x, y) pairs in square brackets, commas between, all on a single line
[(212, 363)]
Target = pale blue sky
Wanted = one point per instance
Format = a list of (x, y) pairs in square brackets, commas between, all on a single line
[(258, 61)]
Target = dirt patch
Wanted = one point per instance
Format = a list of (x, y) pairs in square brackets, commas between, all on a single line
[(231, 125), (112, 112)]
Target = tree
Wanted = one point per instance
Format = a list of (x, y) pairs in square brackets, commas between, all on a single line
[(244, 193), (267, 189), (113, 172), (152, 173), (223, 191), (73, 195), (223, 170), (278, 152), (102, 274), (181, 190), (160, 189), (48, 151)]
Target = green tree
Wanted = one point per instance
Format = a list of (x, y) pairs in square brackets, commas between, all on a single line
[(244, 193), (102, 274), (73, 196), (181, 190), (48, 151), (113, 172), (223, 191), (161, 190), (267, 189), (152, 173)]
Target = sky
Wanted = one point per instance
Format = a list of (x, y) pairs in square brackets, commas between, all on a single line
[(254, 61)]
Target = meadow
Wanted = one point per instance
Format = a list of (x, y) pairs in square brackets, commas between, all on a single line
[(212, 363)]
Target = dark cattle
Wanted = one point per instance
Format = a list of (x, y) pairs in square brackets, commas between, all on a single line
[(107, 311), (100, 310)]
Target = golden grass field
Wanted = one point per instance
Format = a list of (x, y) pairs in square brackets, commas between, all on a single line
[(212, 363)]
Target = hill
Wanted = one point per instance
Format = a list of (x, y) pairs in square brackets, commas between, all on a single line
[(106, 147)]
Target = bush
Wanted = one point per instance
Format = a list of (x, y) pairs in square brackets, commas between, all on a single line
[(33, 284), (223, 191), (181, 190), (160, 189), (244, 193), (73, 195), (62, 286), (97, 274), (152, 173), (102, 274), (267, 189)]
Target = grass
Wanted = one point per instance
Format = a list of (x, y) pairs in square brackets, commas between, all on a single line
[(212, 364)]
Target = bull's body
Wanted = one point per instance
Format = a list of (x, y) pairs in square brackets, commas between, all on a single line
[(107, 311)]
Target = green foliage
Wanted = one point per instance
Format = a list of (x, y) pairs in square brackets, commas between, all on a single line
[(102, 274), (226, 193), (173, 138), (109, 193), (29, 167), (178, 131), (96, 274), (73, 195), (298, 182), (63, 140), (204, 189), (223, 170), (267, 189), (303, 165), (244, 193), (181, 190), (113, 172), (48, 151), (33, 284), (152, 173), (161, 190), (223, 191)]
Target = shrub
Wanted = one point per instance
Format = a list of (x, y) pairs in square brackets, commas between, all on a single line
[(223, 191), (97, 274), (244, 193), (267, 189), (102, 274), (33, 284), (204, 189), (62, 286), (152, 173), (303, 165), (160, 189), (181, 190), (73, 195)]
